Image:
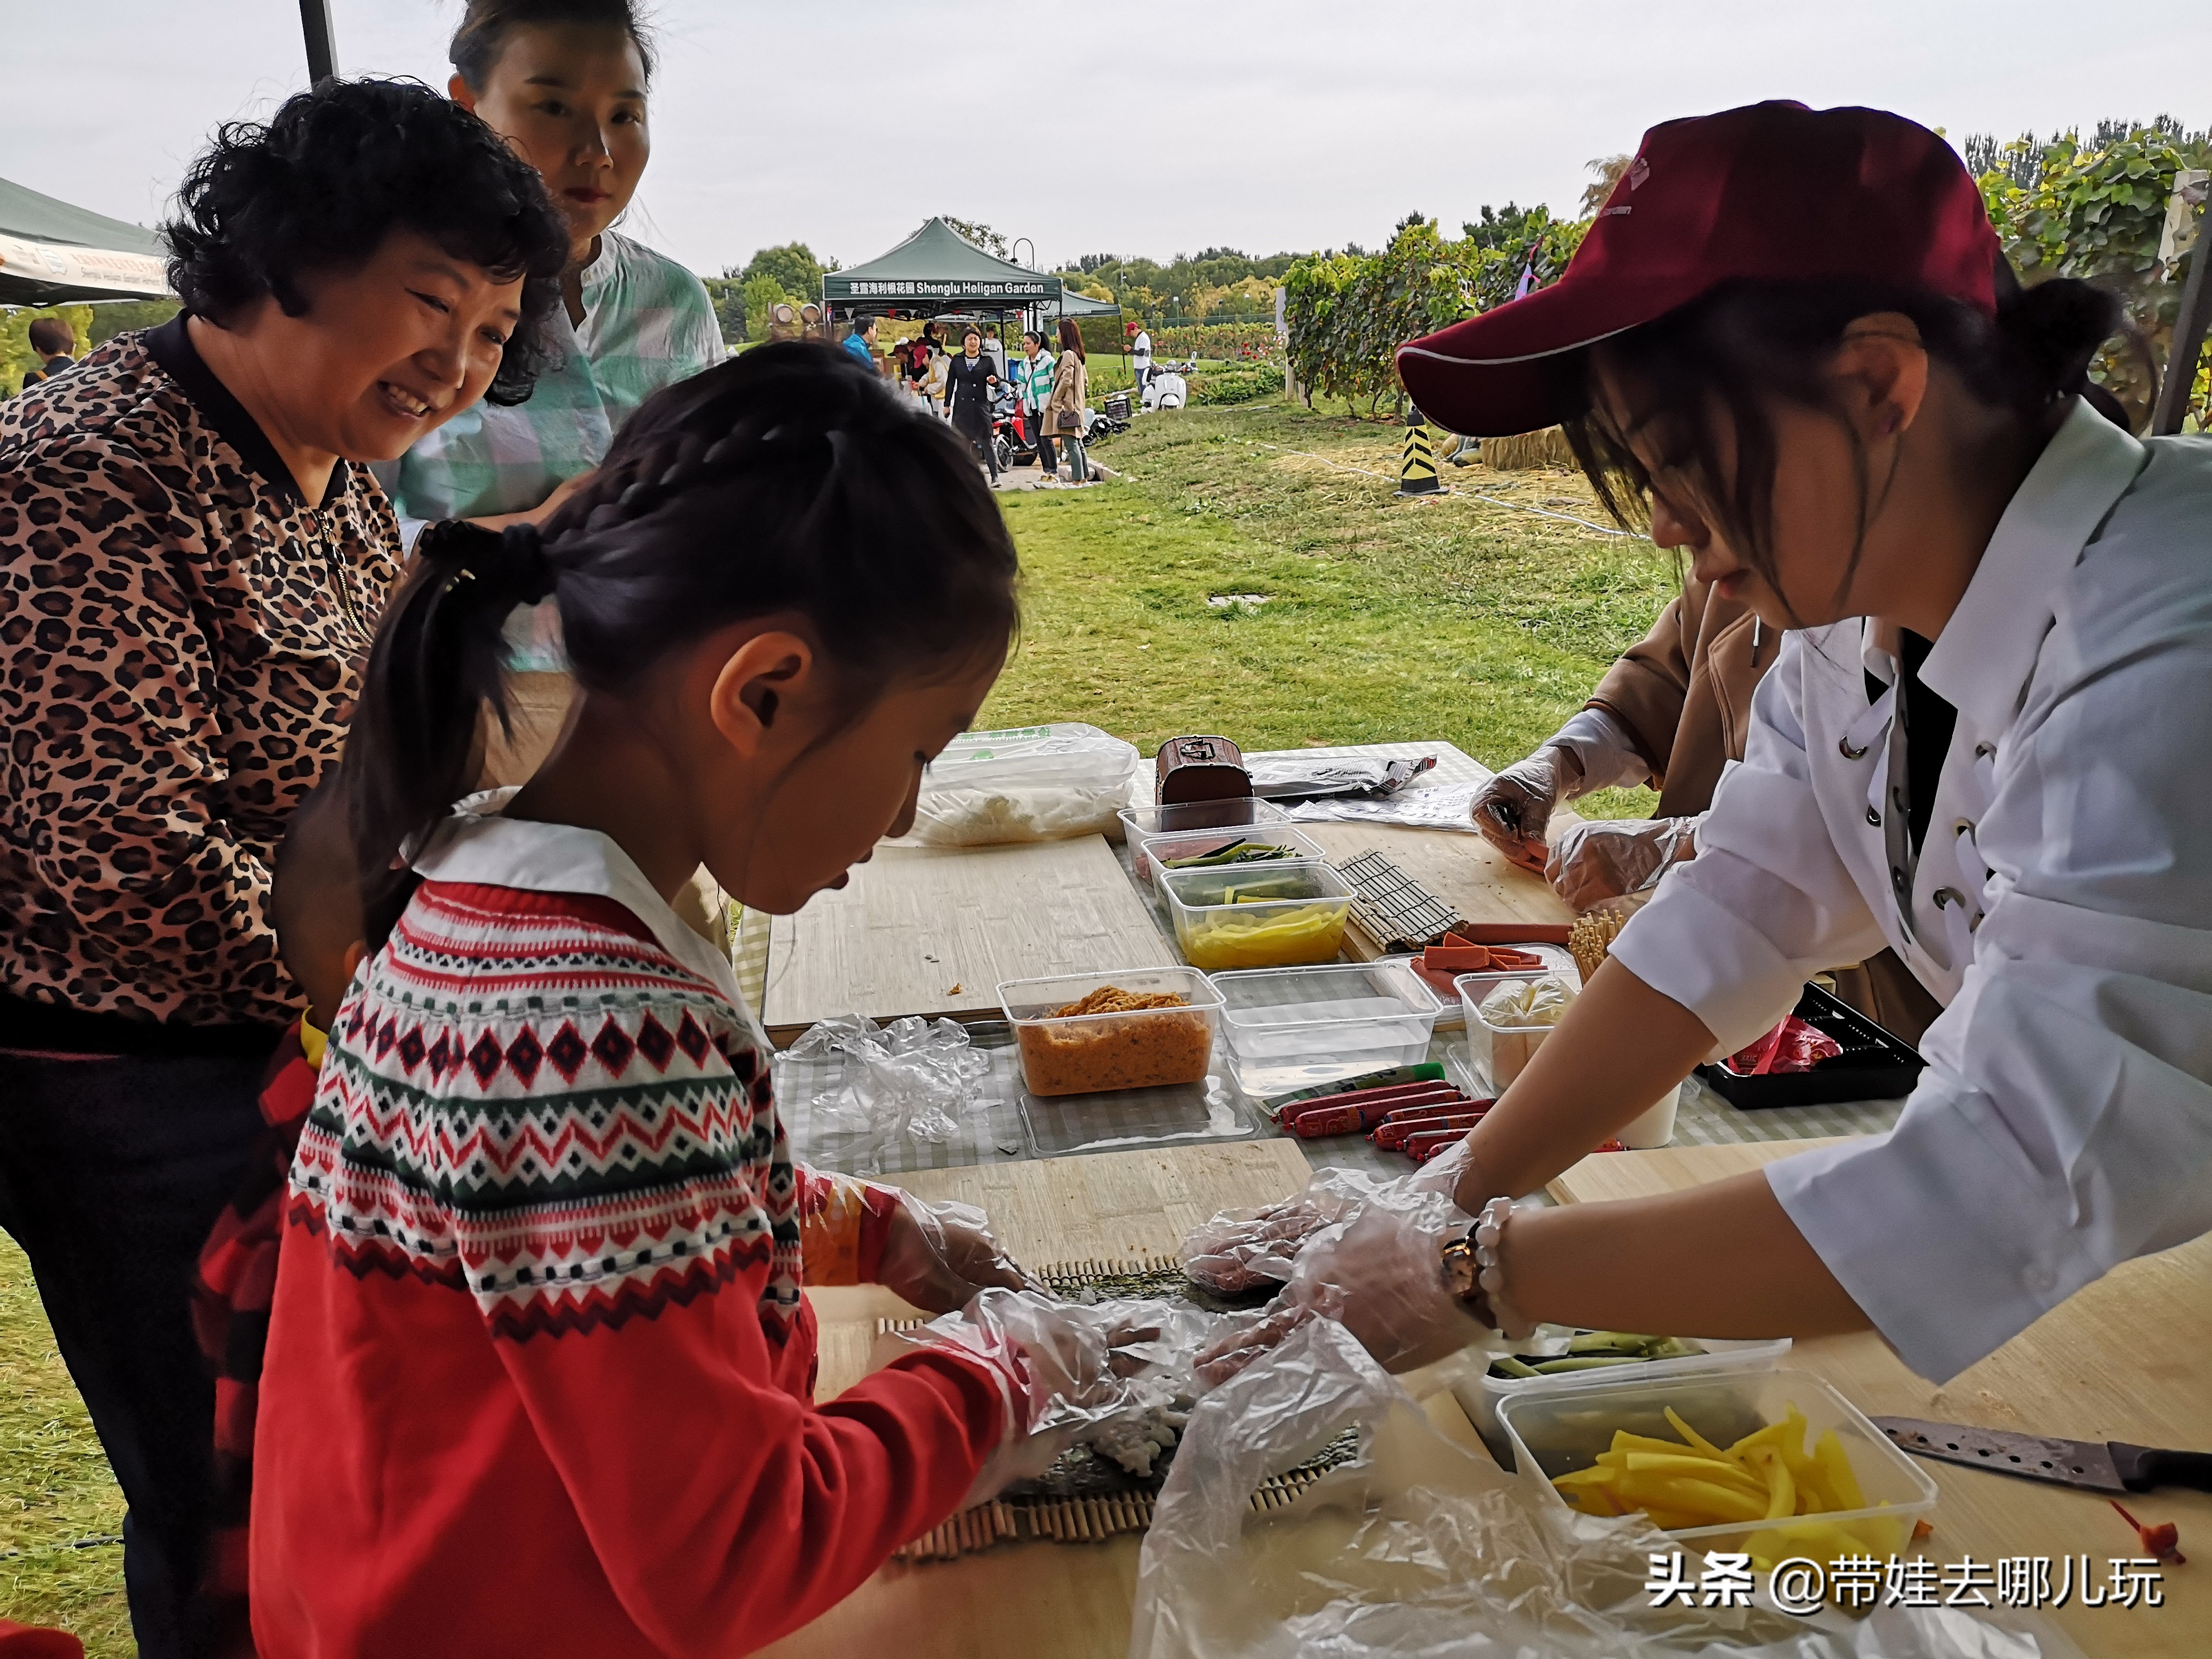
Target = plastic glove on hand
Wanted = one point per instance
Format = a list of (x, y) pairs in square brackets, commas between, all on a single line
[(1379, 1274), (1241, 1250), (1063, 1370), (1515, 807), (1609, 859), (937, 1256)]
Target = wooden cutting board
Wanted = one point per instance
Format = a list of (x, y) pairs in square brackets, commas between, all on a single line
[(2129, 1358), (1464, 870), (933, 931)]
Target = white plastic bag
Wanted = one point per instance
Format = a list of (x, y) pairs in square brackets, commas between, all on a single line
[(1420, 1549), (1030, 783)]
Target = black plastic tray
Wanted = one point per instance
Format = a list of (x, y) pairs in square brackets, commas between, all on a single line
[(1874, 1066)]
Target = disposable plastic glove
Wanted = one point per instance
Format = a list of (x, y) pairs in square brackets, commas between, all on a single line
[(937, 1256), (1064, 1372), (1241, 1250), (1378, 1271), (1607, 858), (1514, 808)]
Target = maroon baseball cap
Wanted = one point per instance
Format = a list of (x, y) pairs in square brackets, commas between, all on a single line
[(1771, 192)]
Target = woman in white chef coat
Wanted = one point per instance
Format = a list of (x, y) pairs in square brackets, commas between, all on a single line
[(1985, 744)]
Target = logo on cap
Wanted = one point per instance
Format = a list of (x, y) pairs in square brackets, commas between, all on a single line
[(1638, 170)]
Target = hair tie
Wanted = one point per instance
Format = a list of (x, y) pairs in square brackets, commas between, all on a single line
[(528, 568)]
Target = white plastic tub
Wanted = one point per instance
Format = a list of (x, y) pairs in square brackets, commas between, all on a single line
[(1293, 1028), (1554, 1431), (1497, 1053)]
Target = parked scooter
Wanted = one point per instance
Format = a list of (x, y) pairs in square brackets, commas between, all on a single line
[(1165, 387), (1010, 435)]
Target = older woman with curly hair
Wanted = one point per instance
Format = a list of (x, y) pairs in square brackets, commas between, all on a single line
[(193, 557)]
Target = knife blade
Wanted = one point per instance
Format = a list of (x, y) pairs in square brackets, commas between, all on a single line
[(2109, 1466)]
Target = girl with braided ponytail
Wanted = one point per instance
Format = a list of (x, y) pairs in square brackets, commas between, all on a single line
[(540, 1273)]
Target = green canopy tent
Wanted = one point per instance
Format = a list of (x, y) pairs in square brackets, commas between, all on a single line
[(934, 272), (52, 253)]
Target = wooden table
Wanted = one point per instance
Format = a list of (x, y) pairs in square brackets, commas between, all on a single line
[(2128, 1358)]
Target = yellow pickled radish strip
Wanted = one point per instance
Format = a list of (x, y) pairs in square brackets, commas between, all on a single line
[(1767, 1479), (1836, 1468), (1782, 1490), (1691, 1436)]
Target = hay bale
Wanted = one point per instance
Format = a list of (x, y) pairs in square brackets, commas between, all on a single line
[(1528, 451)]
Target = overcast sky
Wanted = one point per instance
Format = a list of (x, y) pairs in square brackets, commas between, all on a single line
[(1148, 127)]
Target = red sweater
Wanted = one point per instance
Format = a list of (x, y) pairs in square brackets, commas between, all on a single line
[(538, 1372)]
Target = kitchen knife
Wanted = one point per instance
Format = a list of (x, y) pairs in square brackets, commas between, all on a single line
[(2095, 1465)]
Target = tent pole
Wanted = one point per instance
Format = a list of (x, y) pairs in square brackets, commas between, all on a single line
[(322, 41)]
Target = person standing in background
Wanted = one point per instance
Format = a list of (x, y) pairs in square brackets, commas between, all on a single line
[(1064, 410), (1033, 381), (56, 345), (564, 81), (971, 377), (861, 343), (996, 350), (1672, 713), (1140, 359)]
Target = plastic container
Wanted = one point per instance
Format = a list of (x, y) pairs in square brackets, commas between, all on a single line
[(1557, 1430), (1094, 1054), (1479, 1396), (1291, 1027), (1653, 1126), (1556, 958), (1160, 850), (1140, 824), (1294, 915), (1497, 1053), (1874, 1066)]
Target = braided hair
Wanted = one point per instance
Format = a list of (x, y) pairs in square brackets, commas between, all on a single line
[(787, 479)]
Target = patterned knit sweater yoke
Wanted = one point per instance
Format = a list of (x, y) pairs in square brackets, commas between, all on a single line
[(540, 1282), (530, 1097)]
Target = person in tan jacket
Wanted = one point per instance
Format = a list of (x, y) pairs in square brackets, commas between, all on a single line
[(1071, 386), (1672, 713)]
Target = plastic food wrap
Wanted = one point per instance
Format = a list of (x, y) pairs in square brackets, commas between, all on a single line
[(1241, 1250), (913, 1077), (1417, 1548), (1032, 783)]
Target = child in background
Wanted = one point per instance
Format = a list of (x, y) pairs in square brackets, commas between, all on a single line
[(543, 1243)]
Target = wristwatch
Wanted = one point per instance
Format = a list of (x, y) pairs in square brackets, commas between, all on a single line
[(1462, 1274)]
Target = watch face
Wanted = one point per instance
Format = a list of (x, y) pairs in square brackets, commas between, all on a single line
[(1461, 1271)]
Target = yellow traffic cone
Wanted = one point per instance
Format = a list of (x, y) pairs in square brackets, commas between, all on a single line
[(1417, 471)]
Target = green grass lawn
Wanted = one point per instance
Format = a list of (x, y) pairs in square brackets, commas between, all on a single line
[(1463, 618), (60, 1512), (1458, 617)]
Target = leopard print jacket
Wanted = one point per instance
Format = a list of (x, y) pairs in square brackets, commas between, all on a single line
[(183, 638)]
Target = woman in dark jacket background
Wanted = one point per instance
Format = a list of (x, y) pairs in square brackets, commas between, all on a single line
[(971, 380)]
